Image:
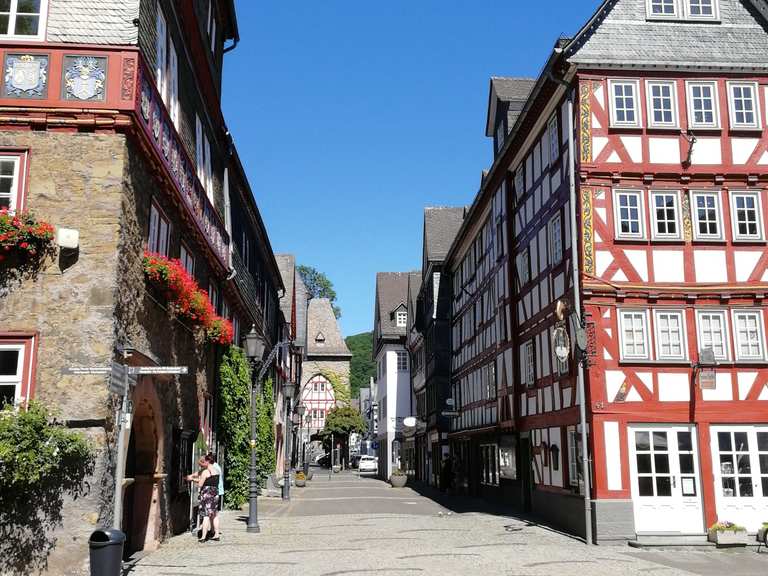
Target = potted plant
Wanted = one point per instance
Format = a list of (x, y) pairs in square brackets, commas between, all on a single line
[(762, 534), (336, 468), (301, 480), (727, 534), (398, 478)]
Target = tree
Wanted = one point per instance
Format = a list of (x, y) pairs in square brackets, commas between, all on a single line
[(362, 367), (340, 422), (319, 286)]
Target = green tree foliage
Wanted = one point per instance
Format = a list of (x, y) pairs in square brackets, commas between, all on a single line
[(362, 366), (235, 427), (340, 422), (319, 286), (41, 462)]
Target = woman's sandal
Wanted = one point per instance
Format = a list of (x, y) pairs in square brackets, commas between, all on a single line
[(216, 538)]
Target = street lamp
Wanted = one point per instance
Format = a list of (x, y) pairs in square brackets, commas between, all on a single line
[(254, 351), (288, 390)]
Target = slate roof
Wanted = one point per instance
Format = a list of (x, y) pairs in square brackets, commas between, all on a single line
[(321, 321), (286, 264), (301, 312), (440, 228), (620, 34), (93, 22), (391, 291), (513, 91)]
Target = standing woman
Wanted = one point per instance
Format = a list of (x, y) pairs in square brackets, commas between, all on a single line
[(208, 481)]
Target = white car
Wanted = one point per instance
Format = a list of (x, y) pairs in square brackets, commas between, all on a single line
[(368, 464)]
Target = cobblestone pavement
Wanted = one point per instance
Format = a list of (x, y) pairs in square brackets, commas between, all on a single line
[(362, 526)]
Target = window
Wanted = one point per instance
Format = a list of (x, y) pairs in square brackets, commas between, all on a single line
[(203, 157), (15, 369), (624, 108), (705, 208), (554, 142), (664, 214), (528, 364), (713, 332), (187, 259), (208, 176), (662, 104), (748, 334), (402, 361), (173, 83), (211, 29), (489, 473), (161, 56), (159, 236), (744, 105), (575, 469), (634, 334), (524, 267), (213, 296), (746, 216), (703, 109), (628, 214), (555, 240), (662, 8), (23, 19), (401, 318), (501, 134), (11, 176), (670, 335), (701, 9)]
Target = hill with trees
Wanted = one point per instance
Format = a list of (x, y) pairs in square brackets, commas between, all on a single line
[(362, 367)]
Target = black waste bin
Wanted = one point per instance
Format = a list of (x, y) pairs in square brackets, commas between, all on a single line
[(106, 552)]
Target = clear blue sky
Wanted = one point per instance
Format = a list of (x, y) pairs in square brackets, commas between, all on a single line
[(352, 116)]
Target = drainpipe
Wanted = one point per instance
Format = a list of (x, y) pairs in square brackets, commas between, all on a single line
[(575, 275)]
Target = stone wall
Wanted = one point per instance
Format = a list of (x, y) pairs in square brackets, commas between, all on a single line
[(318, 365), (75, 181)]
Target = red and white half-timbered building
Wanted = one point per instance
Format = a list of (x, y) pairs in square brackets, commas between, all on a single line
[(670, 158)]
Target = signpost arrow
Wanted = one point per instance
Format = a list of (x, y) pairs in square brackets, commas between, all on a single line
[(141, 370), (87, 370)]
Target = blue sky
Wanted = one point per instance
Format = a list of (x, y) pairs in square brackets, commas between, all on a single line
[(351, 117)]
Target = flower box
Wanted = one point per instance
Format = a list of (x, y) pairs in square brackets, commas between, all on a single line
[(24, 242), (727, 534)]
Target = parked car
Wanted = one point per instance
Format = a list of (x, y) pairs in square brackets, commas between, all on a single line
[(323, 461), (368, 464)]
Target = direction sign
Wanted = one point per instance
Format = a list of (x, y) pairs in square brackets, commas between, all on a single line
[(87, 370), (450, 413), (140, 370)]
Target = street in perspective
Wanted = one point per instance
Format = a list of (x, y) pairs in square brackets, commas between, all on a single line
[(399, 287)]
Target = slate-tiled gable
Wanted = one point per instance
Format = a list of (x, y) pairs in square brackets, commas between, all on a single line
[(507, 94), (322, 321), (440, 227), (391, 292), (620, 34)]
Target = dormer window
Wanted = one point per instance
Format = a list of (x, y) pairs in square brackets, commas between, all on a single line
[(683, 9), (501, 134), (401, 319)]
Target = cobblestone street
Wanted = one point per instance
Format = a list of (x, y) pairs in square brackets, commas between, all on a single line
[(362, 526)]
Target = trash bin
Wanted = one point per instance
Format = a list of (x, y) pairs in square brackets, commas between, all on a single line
[(106, 550)]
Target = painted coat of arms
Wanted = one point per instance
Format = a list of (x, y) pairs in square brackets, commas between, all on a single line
[(26, 76), (84, 78)]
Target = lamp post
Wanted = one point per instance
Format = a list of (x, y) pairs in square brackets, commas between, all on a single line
[(254, 351), (288, 390)]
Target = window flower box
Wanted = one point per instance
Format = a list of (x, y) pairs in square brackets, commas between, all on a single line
[(186, 298), (727, 534), (24, 241)]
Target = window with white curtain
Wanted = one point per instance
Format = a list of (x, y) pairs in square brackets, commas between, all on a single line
[(633, 326), (669, 328), (713, 332), (748, 334)]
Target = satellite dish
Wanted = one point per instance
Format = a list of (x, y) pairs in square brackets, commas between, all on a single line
[(409, 421), (561, 344)]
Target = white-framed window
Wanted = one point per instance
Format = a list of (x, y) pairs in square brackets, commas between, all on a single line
[(707, 215), (12, 357), (628, 214), (671, 343), (701, 9), (662, 8), (744, 105), (23, 19), (665, 214), (159, 238), (633, 326), (187, 259), (11, 185), (489, 465), (748, 334), (528, 363), (662, 103), (161, 54), (208, 181), (554, 140), (746, 215), (555, 240), (173, 83), (712, 327), (402, 361), (401, 318), (625, 109), (524, 267), (211, 25), (703, 105), (203, 158)]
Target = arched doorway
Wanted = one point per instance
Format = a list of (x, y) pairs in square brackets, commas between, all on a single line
[(144, 472)]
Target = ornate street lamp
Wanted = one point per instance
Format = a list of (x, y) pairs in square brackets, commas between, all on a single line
[(288, 390), (254, 351)]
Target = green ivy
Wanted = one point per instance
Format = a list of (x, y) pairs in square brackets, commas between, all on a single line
[(234, 425), (40, 463)]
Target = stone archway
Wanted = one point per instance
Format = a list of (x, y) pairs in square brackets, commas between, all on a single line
[(142, 498)]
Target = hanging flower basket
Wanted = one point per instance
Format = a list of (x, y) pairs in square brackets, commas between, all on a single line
[(24, 242), (188, 300)]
